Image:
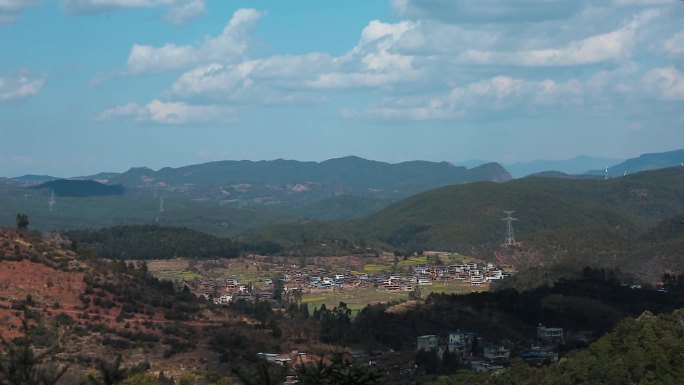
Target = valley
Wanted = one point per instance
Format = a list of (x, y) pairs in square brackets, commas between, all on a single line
[(423, 289)]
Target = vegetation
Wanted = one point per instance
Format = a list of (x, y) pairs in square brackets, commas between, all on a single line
[(579, 222), (155, 242), (643, 350), (22, 222), (80, 188), (21, 364)]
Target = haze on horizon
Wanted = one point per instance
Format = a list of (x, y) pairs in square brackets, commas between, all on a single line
[(102, 85)]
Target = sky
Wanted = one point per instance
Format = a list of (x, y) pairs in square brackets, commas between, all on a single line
[(88, 86)]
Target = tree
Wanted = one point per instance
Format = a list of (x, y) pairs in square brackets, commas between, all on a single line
[(20, 365), (415, 293), (265, 375), (278, 287), (112, 373), (338, 372), (22, 222)]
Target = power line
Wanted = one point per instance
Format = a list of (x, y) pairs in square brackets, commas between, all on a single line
[(51, 201), (510, 237)]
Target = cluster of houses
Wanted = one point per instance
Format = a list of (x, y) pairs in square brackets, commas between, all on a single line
[(485, 357), (311, 280), (470, 272)]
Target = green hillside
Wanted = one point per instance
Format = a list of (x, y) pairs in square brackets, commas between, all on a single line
[(154, 242), (95, 212), (467, 217), (643, 350), (80, 188), (574, 222)]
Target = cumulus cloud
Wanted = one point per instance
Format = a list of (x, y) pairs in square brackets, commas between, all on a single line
[(177, 11), (675, 44), (475, 11), (230, 45), (20, 87), (586, 56), (496, 93), (169, 113), (666, 83), (642, 2), (367, 65), (11, 9), (610, 46)]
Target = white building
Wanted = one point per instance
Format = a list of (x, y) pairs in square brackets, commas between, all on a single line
[(549, 334), (496, 353), (427, 343)]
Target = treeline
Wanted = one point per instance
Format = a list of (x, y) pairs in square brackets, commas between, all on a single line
[(161, 242), (643, 350)]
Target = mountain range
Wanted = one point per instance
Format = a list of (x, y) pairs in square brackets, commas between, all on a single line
[(352, 202), (574, 166), (644, 162), (292, 182)]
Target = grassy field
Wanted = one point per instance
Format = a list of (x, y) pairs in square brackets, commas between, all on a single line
[(358, 298), (378, 268)]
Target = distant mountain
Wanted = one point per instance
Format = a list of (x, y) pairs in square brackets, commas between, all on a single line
[(102, 177), (577, 165), (80, 188), (472, 163), (292, 182), (35, 178), (644, 162), (25, 180)]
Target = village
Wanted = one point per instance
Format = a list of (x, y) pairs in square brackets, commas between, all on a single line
[(293, 282)]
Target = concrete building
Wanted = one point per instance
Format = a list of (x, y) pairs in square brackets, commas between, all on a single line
[(427, 343)]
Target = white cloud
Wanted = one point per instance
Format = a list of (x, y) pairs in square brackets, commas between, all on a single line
[(212, 80), (666, 83), (675, 44), (367, 65), (230, 45), (185, 11), (11, 9), (145, 59), (649, 3), (177, 11), (20, 86), (481, 97), (170, 113), (611, 46), (476, 11), (419, 69)]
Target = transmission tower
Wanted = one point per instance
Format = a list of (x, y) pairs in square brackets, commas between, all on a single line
[(510, 238), (51, 201), (161, 205)]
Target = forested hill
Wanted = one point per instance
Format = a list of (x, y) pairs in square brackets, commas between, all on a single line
[(80, 188), (597, 222), (289, 181), (469, 216), (155, 242)]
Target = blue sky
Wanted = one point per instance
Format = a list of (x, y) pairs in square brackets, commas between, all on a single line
[(104, 85)]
